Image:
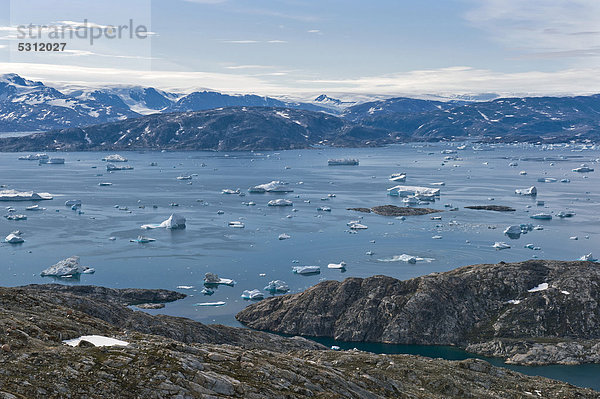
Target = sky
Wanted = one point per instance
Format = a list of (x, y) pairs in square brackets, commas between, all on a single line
[(300, 49)]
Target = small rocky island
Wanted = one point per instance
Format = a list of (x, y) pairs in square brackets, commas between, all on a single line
[(533, 313), (393, 210), (172, 357), (497, 208)]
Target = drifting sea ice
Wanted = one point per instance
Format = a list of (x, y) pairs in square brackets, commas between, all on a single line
[(406, 258), (280, 202), (277, 287), (531, 191), (501, 245), (14, 238), (213, 279), (306, 270), (252, 294), (174, 221), (340, 266), (67, 267)]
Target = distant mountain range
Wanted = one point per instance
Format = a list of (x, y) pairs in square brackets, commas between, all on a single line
[(255, 122)]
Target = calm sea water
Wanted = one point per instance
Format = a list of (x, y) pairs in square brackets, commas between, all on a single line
[(253, 256)]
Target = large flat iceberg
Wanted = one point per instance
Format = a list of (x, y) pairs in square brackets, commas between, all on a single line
[(14, 195), (275, 186), (405, 191)]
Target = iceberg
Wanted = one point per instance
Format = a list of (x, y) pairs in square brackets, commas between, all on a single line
[(358, 226), (513, 232), (277, 287), (236, 224), (104, 184), (280, 202), (15, 217), (405, 191), (401, 177), (583, 169), (184, 177), (252, 295), (114, 158), (14, 238), (343, 161), (207, 291), (275, 186), (565, 214), (174, 222), (588, 258), (73, 203), (541, 216), (220, 303), (32, 157), (306, 270), (230, 191), (531, 191), (284, 236), (501, 245), (143, 240), (52, 161), (14, 195), (340, 266), (547, 180), (67, 268), (406, 258), (112, 167), (96, 340), (213, 279), (324, 209)]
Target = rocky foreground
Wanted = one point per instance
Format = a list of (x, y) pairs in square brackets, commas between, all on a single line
[(533, 313), (170, 357)]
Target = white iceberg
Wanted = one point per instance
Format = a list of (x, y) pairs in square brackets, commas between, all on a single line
[(541, 216), (280, 202), (531, 191), (306, 270), (14, 195), (583, 169), (405, 191), (284, 236), (513, 231), (14, 238), (277, 287), (358, 226), (143, 240), (501, 245), (406, 258), (112, 167), (230, 191), (399, 177), (236, 224), (213, 279), (73, 203), (96, 340), (67, 267), (252, 294), (184, 177), (219, 303), (340, 266), (104, 184), (114, 158), (15, 217), (275, 186), (33, 157), (174, 222), (589, 258)]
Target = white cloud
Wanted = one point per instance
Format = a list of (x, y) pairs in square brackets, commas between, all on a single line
[(317, 31)]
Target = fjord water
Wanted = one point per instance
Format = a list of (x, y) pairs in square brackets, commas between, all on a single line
[(208, 244)]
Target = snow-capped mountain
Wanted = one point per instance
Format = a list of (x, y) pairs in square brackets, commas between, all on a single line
[(335, 104)]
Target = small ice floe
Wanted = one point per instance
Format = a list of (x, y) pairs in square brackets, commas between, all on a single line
[(501, 245), (143, 240), (583, 169), (439, 183), (284, 236), (277, 287), (406, 258), (114, 158), (274, 186), (324, 209), (306, 270), (96, 340), (220, 212), (73, 203), (343, 161), (230, 191), (410, 200), (405, 191), (52, 161), (565, 214), (540, 287), (400, 177), (523, 173), (14, 238), (174, 222), (513, 232), (437, 237), (112, 167), (219, 303), (252, 295), (514, 301), (213, 279), (588, 258), (357, 226), (33, 157), (67, 268), (14, 195), (185, 287), (513, 164), (236, 224), (565, 180), (339, 266), (280, 202), (370, 253), (574, 238), (16, 217), (541, 216), (531, 191), (531, 246), (547, 180), (105, 184), (207, 291), (35, 208), (184, 177)]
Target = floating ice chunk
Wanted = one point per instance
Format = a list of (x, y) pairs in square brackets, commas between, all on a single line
[(583, 169), (112, 167), (547, 180), (252, 294), (213, 279), (185, 287), (324, 209), (513, 164), (274, 186), (370, 253), (207, 291), (67, 267), (14, 195), (184, 177), (531, 191), (540, 287), (114, 158), (96, 340), (219, 303), (15, 217), (440, 183), (565, 214), (344, 161), (35, 208), (565, 292), (565, 180), (33, 157), (400, 177), (410, 200), (306, 270), (280, 202), (405, 191), (14, 238), (523, 173), (236, 224), (589, 258), (230, 191), (437, 237), (541, 216), (358, 226), (340, 266), (143, 240), (175, 221), (277, 287), (104, 184), (283, 236), (501, 245), (52, 161), (73, 203), (335, 348), (575, 238), (406, 258), (513, 232)]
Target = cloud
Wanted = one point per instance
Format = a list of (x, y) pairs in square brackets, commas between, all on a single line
[(254, 41), (249, 67), (316, 31)]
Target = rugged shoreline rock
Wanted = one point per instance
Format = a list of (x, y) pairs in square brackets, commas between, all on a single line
[(497, 208), (245, 364), (393, 210), (534, 312)]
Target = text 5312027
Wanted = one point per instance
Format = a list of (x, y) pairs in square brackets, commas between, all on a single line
[(41, 46)]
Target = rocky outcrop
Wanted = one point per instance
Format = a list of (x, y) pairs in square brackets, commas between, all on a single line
[(35, 364), (497, 208), (393, 210), (521, 311)]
